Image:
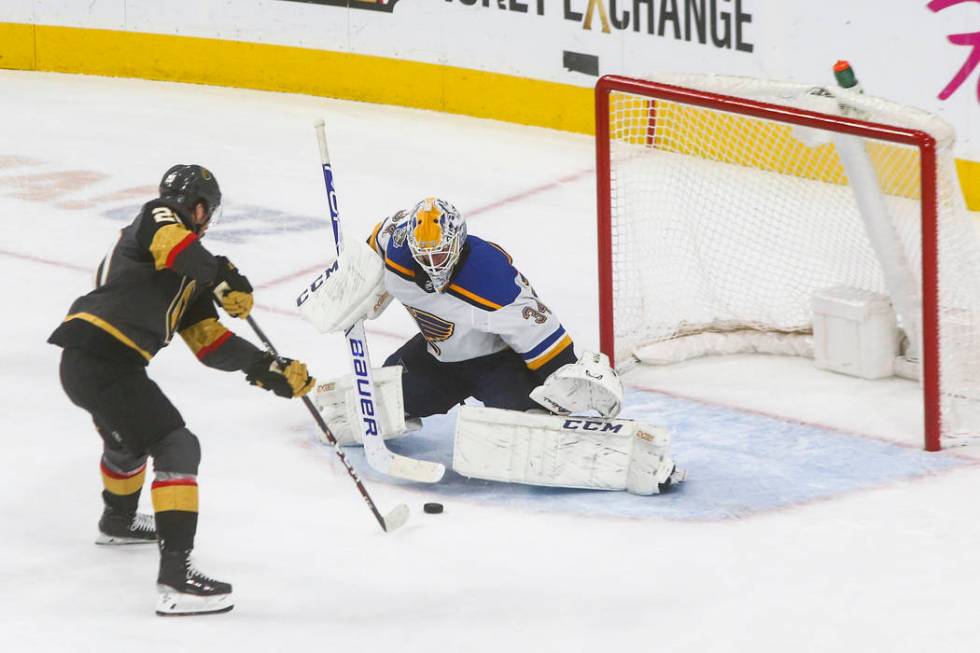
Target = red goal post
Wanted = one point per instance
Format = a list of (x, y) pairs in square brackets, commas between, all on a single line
[(653, 92)]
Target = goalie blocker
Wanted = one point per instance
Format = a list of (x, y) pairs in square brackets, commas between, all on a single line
[(562, 451)]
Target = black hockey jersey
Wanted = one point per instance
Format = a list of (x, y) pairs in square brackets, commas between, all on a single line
[(156, 281)]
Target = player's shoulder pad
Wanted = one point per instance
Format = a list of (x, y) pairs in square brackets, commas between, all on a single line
[(383, 232), (397, 255), (486, 278), (158, 216)]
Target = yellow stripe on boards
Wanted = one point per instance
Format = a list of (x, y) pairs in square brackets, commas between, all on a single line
[(300, 70), (755, 143), (767, 145), (317, 72), (969, 173), (17, 46)]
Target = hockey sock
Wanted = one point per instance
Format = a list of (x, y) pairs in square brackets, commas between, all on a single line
[(175, 505), (122, 488)]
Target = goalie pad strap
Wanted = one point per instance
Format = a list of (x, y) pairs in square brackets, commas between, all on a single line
[(556, 451)]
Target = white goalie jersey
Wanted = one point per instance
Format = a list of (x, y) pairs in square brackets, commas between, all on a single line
[(487, 307)]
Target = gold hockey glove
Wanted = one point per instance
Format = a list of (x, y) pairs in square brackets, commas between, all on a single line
[(233, 290), (284, 376)]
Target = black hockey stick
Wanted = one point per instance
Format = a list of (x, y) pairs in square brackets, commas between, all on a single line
[(399, 514)]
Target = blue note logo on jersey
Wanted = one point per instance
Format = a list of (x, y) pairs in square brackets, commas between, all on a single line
[(434, 328)]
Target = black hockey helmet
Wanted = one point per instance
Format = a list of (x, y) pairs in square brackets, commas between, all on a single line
[(188, 184)]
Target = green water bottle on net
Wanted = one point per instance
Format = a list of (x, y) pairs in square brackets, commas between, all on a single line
[(846, 77)]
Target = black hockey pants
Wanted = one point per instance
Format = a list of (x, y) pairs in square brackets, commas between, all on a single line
[(500, 380), (129, 409)]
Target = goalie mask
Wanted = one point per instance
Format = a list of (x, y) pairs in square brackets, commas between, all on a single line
[(186, 185), (436, 236)]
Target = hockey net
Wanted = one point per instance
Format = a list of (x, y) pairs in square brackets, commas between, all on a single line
[(725, 203)]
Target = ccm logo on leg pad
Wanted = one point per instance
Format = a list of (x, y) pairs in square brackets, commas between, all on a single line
[(591, 425)]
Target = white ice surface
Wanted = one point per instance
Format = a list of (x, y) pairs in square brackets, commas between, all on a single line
[(891, 568)]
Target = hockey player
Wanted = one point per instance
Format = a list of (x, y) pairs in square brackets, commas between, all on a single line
[(159, 280), (484, 333)]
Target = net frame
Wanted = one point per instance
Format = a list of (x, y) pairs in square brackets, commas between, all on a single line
[(923, 141)]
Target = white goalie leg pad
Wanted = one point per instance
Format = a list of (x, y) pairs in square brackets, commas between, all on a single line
[(588, 384), (349, 289), (337, 402), (556, 451)]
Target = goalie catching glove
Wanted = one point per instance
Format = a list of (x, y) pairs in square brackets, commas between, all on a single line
[(589, 384), (232, 289), (284, 376), (350, 289)]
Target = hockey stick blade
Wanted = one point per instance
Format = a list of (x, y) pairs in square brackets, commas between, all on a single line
[(413, 469), (396, 518), (386, 461)]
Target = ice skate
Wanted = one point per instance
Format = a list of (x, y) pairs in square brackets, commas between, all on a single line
[(185, 591), (126, 528)]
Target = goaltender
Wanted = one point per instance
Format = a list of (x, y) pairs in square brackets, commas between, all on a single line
[(484, 334)]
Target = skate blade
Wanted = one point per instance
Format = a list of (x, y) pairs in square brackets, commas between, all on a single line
[(172, 603), (115, 540)]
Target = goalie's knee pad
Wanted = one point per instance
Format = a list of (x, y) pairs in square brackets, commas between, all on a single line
[(338, 403), (576, 452)]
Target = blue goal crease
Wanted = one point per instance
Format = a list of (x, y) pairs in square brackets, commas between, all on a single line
[(739, 464)]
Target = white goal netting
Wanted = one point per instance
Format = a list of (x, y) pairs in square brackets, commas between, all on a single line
[(723, 226)]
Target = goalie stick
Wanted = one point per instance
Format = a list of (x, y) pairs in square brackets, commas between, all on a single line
[(399, 514), (376, 451)]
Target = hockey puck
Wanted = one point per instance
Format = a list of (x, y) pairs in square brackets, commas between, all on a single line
[(432, 508)]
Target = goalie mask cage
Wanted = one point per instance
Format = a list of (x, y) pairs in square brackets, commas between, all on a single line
[(725, 203)]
